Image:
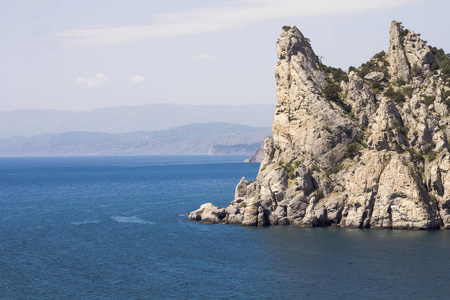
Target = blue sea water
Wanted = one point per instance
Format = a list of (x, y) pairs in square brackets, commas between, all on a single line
[(110, 228)]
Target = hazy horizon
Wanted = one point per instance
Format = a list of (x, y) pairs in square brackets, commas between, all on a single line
[(122, 119), (138, 105), (82, 55)]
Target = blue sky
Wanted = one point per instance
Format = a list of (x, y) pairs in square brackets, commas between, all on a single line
[(79, 55)]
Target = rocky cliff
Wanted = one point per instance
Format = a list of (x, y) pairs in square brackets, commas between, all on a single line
[(365, 149)]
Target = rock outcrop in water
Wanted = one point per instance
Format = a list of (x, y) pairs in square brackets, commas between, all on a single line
[(258, 156), (364, 149)]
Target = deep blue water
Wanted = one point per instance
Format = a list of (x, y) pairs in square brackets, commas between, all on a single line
[(110, 227)]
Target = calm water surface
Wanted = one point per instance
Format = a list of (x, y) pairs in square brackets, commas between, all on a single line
[(109, 227)]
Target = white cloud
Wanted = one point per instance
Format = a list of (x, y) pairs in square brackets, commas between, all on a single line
[(204, 56), (226, 15), (98, 80), (137, 79)]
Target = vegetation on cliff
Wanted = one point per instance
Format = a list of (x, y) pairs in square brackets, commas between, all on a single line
[(367, 148)]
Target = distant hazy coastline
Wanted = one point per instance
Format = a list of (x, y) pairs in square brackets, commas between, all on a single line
[(193, 139), (124, 119)]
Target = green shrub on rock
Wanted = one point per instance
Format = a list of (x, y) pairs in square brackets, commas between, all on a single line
[(396, 96), (331, 92)]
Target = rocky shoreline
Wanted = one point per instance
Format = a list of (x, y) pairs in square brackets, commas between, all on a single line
[(363, 149)]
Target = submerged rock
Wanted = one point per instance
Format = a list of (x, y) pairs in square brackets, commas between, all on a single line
[(364, 149)]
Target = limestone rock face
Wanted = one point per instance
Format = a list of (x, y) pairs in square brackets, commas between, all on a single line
[(407, 52), (364, 149), (304, 121), (399, 65), (385, 132), (361, 98), (384, 191)]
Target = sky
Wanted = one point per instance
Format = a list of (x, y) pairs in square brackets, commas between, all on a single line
[(84, 54)]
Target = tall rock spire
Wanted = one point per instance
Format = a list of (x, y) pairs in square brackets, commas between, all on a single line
[(399, 66), (407, 53), (297, 65), (302, 112)]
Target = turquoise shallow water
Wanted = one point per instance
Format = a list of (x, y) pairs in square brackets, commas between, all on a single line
[(109, 227)]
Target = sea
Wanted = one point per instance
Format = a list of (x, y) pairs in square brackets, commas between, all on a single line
[(116, 228)]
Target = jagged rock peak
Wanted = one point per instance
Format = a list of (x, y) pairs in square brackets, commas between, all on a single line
[(297, 61), (291, 42), (407, 52), (303, 118)]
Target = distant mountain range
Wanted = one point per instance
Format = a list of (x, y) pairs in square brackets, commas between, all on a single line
[(123, 119), (195, 139)]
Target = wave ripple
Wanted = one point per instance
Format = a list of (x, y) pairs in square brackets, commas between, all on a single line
[(132, 219), (85, 222)]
